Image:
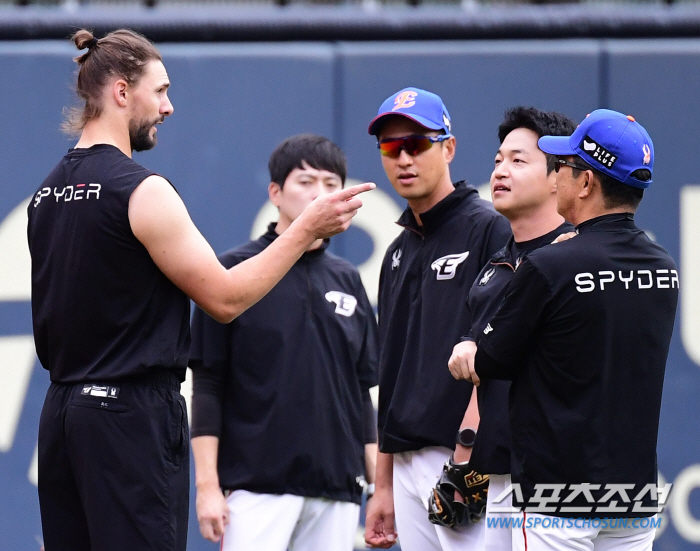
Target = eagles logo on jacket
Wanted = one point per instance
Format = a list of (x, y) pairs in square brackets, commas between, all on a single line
[(425, 279)]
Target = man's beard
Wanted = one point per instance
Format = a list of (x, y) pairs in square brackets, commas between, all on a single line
[(139, 134)]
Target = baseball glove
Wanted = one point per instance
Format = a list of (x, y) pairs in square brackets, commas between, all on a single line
[(444, 509)]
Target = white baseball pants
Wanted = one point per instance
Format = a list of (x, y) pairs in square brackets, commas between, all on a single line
[(637, 535), (498, 527), (415, 475), (280, 522)]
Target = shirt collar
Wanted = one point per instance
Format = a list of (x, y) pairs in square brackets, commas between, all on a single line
[(434, 217), (270, 235), (616, 221), (513, 249)]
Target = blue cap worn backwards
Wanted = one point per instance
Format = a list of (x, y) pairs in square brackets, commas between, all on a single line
[(612, 143), (420, 106)]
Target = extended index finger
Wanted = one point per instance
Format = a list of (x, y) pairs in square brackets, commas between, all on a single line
[(348, 193)]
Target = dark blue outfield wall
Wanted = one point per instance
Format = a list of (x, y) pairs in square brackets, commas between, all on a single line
[(234, 103)]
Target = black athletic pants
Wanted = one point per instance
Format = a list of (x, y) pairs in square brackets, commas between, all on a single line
[(114, 466)]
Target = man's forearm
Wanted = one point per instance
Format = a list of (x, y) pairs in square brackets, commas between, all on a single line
[(384, 478), (371, 451), (471, 416), (469, 421), (205, 450)]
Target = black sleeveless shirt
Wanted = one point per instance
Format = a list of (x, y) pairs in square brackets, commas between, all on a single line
[(101, 308)]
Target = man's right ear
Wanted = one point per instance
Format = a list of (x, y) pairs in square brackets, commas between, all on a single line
[(273, 192)]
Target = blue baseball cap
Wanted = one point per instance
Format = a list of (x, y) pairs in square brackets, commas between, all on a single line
[(612, 143), (420, 106)]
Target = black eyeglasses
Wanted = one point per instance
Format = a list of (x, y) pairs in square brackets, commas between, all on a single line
[(559, 162), (413, 145)]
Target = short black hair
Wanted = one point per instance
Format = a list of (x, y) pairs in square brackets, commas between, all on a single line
[(542, 123), (316, 151), (615, 193)]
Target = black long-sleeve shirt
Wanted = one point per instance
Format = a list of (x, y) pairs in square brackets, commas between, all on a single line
[(491, 452), (284, 385), (584, 333)]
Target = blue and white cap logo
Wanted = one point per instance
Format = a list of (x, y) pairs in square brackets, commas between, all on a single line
[(421, 106), (612, 143)]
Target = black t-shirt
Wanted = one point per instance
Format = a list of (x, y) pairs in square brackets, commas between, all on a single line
[(491, 452), (283, 385), (102, 310), (425, 278), (584, 333)]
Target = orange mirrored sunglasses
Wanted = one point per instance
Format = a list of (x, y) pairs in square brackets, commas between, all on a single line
[(413, 145)]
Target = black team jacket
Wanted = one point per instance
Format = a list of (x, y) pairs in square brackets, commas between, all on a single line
[(285, 386), (425, 278)]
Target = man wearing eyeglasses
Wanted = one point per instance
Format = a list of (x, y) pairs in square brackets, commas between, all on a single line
[(449, 234), (584, 332)]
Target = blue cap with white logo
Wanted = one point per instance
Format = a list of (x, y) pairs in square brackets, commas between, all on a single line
[(612, 143), (420, 106)]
